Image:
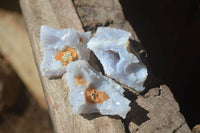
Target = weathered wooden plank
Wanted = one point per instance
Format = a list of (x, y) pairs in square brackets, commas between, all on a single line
[(163, 113), (152, 111), (61, 14)]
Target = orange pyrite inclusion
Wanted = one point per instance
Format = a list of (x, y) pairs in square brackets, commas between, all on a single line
[(91, 95), (94, 96), (67, 55), (92, 92), (79, 80)]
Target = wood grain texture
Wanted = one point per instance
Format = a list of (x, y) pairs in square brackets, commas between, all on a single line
[(163, 113), (154, 110), (61, 14)]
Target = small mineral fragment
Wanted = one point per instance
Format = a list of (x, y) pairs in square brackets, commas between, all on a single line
[(92, 92), (61, 47), (112, 48)]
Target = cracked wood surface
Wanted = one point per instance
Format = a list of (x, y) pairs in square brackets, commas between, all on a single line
[(61, 14), (153, 111)]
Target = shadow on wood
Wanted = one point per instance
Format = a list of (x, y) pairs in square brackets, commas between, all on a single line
[(96, 115), (137, 114)]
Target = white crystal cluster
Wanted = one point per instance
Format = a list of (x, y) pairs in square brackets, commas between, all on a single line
[(67, 51), (117, 104), (53, 41), (112, 48)]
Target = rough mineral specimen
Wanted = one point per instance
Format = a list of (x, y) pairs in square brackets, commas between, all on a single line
[(61, 47), (92, 92), (67, 51), (112, 48)]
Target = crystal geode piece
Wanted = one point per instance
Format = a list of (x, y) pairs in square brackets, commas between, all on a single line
[(112, 48), (61, 47), (92, 92)]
